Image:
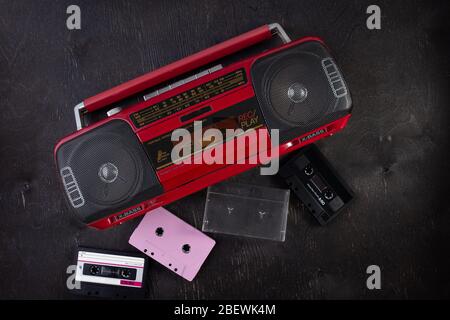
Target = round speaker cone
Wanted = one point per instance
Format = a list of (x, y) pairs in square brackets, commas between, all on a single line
[(107, 168), (297, 89)]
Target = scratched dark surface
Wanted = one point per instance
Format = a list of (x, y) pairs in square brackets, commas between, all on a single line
[(394, 152)]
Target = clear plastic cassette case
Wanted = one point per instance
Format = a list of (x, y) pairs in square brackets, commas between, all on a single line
[(246, 210)]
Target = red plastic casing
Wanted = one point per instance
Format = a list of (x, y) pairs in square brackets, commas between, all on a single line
[(180, 180)]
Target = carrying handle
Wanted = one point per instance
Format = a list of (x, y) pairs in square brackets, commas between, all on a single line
[(178, 68)]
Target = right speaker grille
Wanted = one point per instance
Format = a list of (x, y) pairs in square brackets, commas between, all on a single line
[(299, 89)]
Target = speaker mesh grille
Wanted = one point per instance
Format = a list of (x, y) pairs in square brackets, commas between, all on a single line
[(295, 92), (111, 169), (107, 168)]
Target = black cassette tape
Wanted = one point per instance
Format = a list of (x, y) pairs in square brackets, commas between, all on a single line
[(316, 183), (111, 274)]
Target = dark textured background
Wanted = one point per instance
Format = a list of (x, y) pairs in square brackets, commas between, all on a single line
[(394, 152)]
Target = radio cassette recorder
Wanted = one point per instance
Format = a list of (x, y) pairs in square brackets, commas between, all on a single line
[(120, 166)]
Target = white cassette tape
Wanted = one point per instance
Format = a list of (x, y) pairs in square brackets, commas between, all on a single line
[(104, 273)]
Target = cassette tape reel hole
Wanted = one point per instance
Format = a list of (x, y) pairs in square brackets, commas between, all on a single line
[(125, 273), (94, 270), (159, 231), (328, 194), (309, 170), (186, 248)]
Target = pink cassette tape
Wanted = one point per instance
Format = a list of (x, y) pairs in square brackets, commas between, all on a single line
[(172, 242)]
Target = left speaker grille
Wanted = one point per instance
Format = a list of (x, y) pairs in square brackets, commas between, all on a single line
[(106, 170)]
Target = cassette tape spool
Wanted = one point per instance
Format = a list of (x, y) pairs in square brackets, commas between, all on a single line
[(110, 274), (316, 183)]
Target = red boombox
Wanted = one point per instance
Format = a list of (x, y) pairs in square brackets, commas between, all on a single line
[(120, 166)]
